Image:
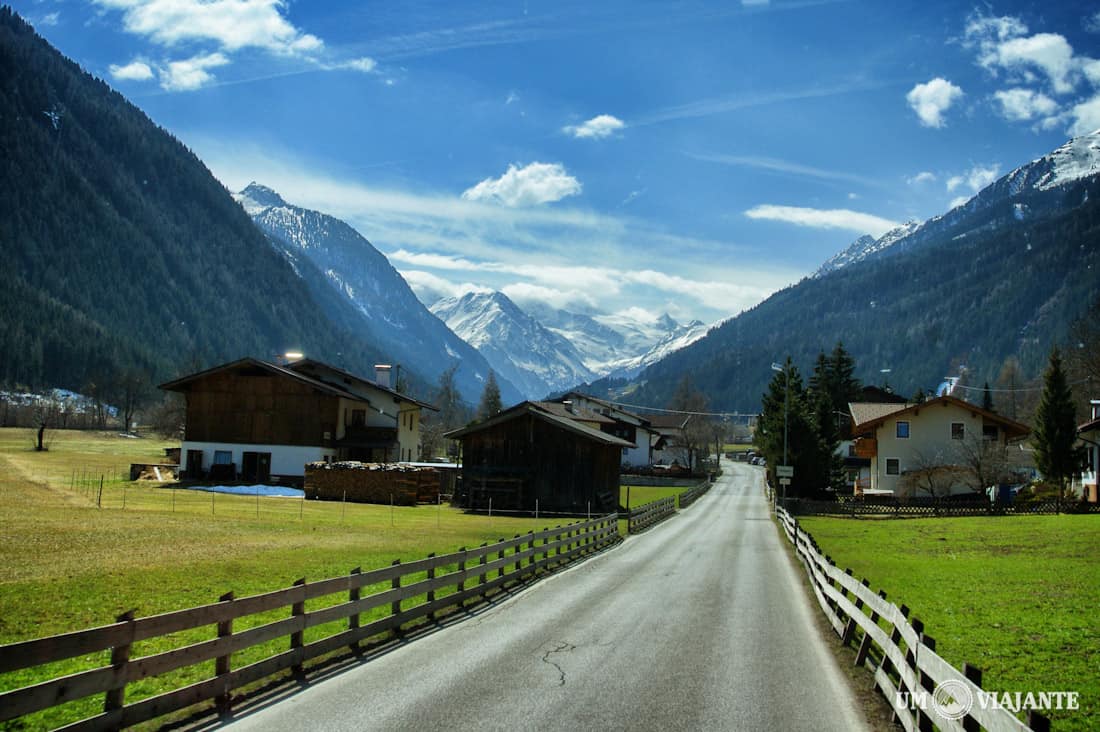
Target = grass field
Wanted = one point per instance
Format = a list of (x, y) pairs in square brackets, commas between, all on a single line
[(1017, 597), (642, 494), (69, 565)]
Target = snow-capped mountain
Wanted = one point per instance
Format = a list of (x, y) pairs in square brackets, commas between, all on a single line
[(1041, 188), (398, 323), (534, 358), (618, 345)]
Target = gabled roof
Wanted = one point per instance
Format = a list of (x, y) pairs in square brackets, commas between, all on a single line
[(533, 409), (305, 363), (604, 403), (182, 383), (1089, 426), (874, 415), (585, 415), (669, 421)]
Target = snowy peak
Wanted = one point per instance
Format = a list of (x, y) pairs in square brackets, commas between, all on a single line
[(256, 198), (866, 246), (1077, 159)]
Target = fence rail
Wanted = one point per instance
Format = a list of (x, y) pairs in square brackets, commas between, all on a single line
[(691, 495), (479, 570), (906, 665), (642, 517)]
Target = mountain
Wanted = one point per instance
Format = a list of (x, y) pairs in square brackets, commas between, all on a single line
[(537, 360), (356, 277), (1004, 274), (866, 246), (119, 251), (619, 345)]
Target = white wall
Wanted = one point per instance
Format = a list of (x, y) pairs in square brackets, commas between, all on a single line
[(929, 441), (285, 459)]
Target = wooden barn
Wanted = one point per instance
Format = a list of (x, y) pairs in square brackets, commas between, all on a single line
[(256, 421), (528, 453)]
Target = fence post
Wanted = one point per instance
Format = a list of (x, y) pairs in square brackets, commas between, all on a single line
[(519, 562), (974, 674), (461, 568), (531, 546), (927, 682), (297, 637), (500, 555), (395, 606), (354, 593), (120, 657), (483, 561), (431, 593), (221, 663)]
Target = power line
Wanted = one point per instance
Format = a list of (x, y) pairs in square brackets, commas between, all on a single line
[(1016, 391)]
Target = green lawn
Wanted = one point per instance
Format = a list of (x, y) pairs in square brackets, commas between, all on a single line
[(643, 494), (69, 565), (1018, 597)]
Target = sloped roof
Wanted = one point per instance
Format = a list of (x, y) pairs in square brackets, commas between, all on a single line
[(306, 363), (534, 410), (1089, 426), (669, 420), (605, 403), (560, 410), (873, 415), (181, 383)]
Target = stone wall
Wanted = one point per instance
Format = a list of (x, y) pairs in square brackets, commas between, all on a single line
[(359, 482)]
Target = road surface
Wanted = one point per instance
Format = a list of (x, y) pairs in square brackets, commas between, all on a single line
[(699, 623)]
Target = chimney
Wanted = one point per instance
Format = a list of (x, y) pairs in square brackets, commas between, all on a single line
[(1095, 404), (568, 406), (382, 374)]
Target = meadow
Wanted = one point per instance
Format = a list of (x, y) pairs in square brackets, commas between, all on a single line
[(1014, 596), (69, 564)]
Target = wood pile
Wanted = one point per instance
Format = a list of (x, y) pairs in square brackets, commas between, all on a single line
[(405, 485)]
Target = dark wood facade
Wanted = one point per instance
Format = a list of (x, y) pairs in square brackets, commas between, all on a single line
[(525, 455), (254, 405)]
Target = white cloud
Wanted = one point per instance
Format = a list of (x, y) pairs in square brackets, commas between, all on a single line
[(1022, 105), (958, 201), (1086, 116), (525, 292), (786, 167), (932, 99), (133, 71), (190, 73), (364, 64), (1049, 52), (232, 24), (924, 176), (1092, 23), (975, 179), (598, 127), (824, 218), (428, 286), (49, 19), (530, 185)]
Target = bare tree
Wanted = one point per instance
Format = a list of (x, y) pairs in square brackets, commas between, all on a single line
[(46, 414), (930, 474), (985, 462)]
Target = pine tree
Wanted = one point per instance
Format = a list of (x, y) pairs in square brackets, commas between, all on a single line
[(1055, 428), (987, 398), (490, 402)]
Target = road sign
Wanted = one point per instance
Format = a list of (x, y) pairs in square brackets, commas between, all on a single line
[(784, 481), (784, 471)]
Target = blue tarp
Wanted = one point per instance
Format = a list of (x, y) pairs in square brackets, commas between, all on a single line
[(279, 491)]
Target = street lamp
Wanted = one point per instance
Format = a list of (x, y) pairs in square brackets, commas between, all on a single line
[(786, 411)]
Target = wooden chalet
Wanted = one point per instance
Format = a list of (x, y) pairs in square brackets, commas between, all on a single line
[(531, 452), (256, 421)]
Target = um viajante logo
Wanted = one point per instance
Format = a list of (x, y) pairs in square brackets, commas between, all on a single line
[(954, 699)]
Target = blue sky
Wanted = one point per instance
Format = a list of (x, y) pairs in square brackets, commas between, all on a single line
[(639, 157)]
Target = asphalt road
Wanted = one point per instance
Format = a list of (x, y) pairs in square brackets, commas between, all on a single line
[(699, 623)]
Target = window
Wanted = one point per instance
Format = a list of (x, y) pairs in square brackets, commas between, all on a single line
[(958, 430), (223, 457), (903, 430), (893, 466), (989, 432), (358, 417)]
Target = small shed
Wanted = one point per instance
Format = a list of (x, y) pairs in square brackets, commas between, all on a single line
[(527, 454)]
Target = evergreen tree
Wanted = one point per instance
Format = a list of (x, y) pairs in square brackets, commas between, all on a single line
[(1055, 429), (806, 452), (490, 399), (920, 397), (987, 398)]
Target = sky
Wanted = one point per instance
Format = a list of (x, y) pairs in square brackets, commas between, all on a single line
[(629, 157)]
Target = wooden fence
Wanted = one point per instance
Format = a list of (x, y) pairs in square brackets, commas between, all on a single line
[(691, 495), (644, 516), (907, 669), (466, 575), (931, 507)]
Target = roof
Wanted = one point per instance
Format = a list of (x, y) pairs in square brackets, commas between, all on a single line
[(181, 383), (533, 409), (586, 415), (1089, 426), (605, 403), (306, 363), (289, 371), (669, 420), (873, 415)]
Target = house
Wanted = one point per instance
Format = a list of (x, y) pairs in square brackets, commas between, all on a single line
[(625, 425), (930, 447), (530, 456), (1089, 433), (257, 421), (668, 439)]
